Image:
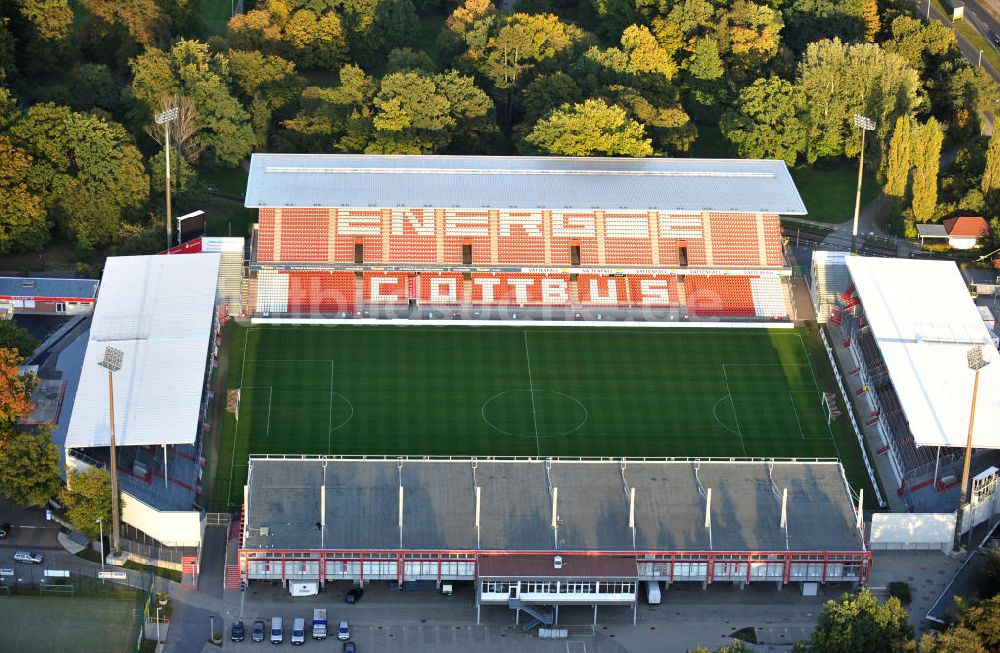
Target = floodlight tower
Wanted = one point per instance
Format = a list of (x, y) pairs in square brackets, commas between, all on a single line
[(165, 119), (976, 363), (113, 362), (866, 124)]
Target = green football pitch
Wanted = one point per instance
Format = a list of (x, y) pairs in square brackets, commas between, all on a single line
[(531, 391)]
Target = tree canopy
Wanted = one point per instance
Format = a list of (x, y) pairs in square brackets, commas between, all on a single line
[(87, 497)]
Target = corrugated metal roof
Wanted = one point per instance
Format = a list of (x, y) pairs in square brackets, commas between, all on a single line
[(41, 287), (542, 566), (158, 310), (576, 183), (924, 322)]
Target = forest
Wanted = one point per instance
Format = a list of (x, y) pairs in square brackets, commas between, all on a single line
[(82, 159)]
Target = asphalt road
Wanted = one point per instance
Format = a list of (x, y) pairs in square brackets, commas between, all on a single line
[(970, 51)]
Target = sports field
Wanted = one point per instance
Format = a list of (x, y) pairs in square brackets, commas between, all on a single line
[(534, 391)]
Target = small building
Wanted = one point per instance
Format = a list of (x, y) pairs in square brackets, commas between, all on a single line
[(41, 295), (937, 233), (964, 232)]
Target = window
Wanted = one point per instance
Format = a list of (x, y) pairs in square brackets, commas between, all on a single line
[(359, 252), (466, 254), (682, 256)]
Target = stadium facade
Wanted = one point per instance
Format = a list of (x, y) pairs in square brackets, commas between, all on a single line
[(349, 235), (535, 533)]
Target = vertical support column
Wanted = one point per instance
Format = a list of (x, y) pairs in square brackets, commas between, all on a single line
[(654, 236), (706, 234), (761, 243), (600, 233), (331, 236), (277, 234), (494, 229), (386, 230), (547, 235), (439, 235)]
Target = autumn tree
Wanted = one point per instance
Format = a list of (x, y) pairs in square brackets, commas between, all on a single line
[(13, 337), (29, 468), (24, 222), (144, 20), (767, 121), (860, 623), (897, 174), (926, 156), (589, 129), (15, 391), (87, 497), (990, 183)]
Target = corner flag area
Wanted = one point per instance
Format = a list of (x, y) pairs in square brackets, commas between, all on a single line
[(528, 391)]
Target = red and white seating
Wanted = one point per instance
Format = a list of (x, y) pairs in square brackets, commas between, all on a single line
[(720, 296), (441, 288), (321, 292), (388, 287), (520, 289)]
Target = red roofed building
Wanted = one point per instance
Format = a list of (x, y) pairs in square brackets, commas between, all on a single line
[(963, 232)]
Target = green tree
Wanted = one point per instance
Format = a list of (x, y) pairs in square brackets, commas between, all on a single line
[(143, 19), (338, 119), (316, 41), (86, 170), (13, 337), (705, 70), (990, 183), (982, 618), (750, 34), (813, 20), (29, 469), (646, 56), (87, 498), (50, 19), (841, 80), (899, 164), (24, 222), (860, 623), (926, 153), (588, 129), (270, 76), (548, 92), (92, 86), (403, 59), (953, 640), (767, 121), (917, 42)]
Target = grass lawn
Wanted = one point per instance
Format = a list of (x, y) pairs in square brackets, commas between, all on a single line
[(474, 391), (829, 193), (232, 181), (162, 572), (40, 624), (214, 15), (226, 218)]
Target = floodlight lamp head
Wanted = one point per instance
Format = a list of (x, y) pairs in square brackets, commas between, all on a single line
[(975, 357), (166, 116), (864, 122), (112, 359)]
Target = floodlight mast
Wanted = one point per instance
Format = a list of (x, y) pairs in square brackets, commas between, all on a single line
[(866, 124), (113, 359), (976, 362), (165, 119)]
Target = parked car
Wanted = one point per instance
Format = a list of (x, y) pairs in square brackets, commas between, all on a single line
[(349, 647), (298, 631), (4, 531), (354, 595), (994, 38), (257, 634), (238, 632), (343, 631), (277, 630), (28, 557)]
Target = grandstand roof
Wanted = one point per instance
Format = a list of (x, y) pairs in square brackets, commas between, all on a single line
[(362, 505), (475, 182), (47, 288), (158, 310), (924, 321)]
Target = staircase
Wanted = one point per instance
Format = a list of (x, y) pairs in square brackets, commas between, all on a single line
[(539, 616), (230, 280), (232, 577)]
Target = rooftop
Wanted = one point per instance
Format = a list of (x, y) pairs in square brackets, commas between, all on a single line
[(44, 287), (439, 511), (543, 566), (967, 227), (158, 311), (924, 322), (527, 183)]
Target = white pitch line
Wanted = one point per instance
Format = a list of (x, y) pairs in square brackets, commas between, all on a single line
[(531, 391), (267, 433), (329, 433), (809, 361), (736, 416), (236, 431), (795, 411)]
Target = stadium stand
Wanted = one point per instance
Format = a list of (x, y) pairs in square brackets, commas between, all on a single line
[(667, 227)]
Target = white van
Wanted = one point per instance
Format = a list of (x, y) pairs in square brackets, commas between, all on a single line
[(277, 630), (298, 631), (652, 592)]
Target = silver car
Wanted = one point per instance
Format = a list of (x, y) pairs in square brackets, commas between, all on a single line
[(28, 557)]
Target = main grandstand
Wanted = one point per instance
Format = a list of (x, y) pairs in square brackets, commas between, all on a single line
[(359, 235)]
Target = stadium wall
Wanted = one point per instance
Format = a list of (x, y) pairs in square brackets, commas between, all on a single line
[(172, 528), (524, 323)]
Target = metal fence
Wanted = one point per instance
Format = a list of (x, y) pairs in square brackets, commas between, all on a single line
[(70, 581)]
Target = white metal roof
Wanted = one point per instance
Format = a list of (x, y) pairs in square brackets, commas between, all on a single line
[(924, 322), (580, 183), (158, 310)]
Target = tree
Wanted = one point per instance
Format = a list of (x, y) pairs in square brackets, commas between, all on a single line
[(270, 76), (873, 21), (813, 20), (767, 121), (588, 129), (13, 337), (29, 468), (316, 41), (15, 392), (86, 169), (897, 175), (50, 19), (87, 498), (982, 618), (954, 640), (926, 154), (24, 224), (338, 118), (860, 623), (646, 56), (92, 86), (143, 19), (918, 42), (840, 80), (990, 183), (751, 33)]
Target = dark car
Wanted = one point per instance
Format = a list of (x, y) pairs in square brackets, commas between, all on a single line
[(994, 38), (257, 634), (349, 647), (238, 632), (4, 531), (354, 595)]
